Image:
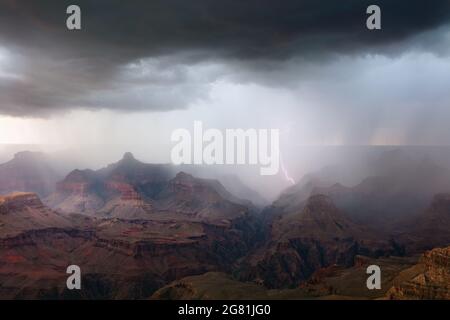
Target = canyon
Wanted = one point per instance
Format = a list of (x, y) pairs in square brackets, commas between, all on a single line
[(142, 231)]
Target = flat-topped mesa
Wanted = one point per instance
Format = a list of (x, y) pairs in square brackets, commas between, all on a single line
[(19, 201), (189, 185), (184, 178), (29, 156)]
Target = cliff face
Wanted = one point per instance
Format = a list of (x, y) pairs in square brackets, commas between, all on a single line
[(142, 228), (119, 190), (430, 229), (434, 225), (430, 279), (134, 190), (200, 199), (78, 182), (19, 201), (127, 259), (25, 211), (302, 242), (127, 252), (125, 190), (396, 186)]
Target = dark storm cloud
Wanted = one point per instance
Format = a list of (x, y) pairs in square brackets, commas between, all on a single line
[(234, 28), (56, 69)]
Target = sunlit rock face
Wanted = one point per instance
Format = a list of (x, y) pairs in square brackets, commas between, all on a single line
[(430, 279)]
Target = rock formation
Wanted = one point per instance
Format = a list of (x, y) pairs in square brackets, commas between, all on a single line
[(28, 172), (430, 279), (302, 242)]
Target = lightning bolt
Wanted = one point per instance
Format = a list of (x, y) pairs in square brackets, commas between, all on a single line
[(288, 178), (285, 172)]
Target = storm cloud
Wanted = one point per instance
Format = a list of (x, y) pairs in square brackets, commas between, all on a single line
[(165, 55)]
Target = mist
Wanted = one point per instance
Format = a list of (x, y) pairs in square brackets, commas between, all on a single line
[(323, 81)]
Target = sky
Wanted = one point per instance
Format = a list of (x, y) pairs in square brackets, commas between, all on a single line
[(138, 70)]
